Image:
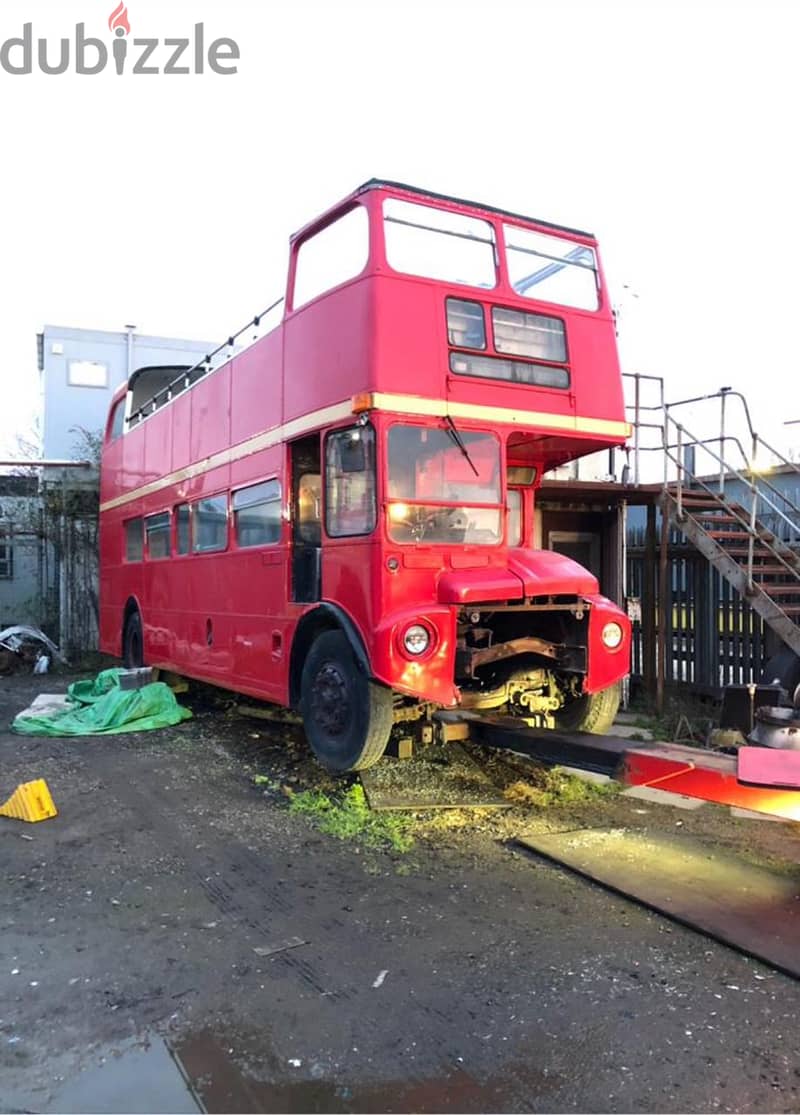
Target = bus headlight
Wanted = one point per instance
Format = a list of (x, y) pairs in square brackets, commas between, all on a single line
[(611, 635), (416, 639)]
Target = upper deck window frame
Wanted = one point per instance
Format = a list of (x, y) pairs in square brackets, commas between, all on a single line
[(319, 237), (544, 246), (433, 221)]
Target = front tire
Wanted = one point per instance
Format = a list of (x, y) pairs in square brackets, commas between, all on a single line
[(347, 717), (594, 712), (133, 642)]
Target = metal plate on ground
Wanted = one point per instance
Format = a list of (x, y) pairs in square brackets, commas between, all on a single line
[(750, 908), (445, 777), (767, 767)]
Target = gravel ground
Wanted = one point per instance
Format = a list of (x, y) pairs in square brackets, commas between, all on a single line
[(463, 975)]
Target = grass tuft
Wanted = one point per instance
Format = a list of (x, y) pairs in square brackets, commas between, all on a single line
[(557, 787), (347, 816)]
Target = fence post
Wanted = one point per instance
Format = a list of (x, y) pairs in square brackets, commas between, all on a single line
[(722, 397), (650, 605), (636, 417), (664, 603)]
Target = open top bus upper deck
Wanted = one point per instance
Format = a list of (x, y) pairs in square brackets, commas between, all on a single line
[(406, 301)]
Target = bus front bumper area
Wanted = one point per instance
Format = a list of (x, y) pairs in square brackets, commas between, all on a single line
[(430, 674)]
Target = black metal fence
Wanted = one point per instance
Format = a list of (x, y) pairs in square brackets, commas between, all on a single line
[(713, 637)]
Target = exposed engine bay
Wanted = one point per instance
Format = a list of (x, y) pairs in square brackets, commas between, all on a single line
[(501, 665)]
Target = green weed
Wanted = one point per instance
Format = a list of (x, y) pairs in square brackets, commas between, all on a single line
[(347, 816), (558, 787)]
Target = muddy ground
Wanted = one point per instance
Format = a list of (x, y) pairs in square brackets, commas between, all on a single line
[(462, 975)]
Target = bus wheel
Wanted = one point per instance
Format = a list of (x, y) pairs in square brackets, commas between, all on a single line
[(133, 642), (347, 717), (595, 712)]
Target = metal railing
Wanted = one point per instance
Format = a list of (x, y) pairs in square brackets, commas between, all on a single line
[(204, 367), (634, 412), (745, 512), (757, 442), (736, 475), (652, 415)]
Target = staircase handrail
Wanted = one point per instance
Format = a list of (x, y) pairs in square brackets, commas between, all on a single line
[(761, 478), (750, 482), (757, 439)]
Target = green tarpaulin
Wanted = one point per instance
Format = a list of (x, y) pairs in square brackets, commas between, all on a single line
[(100, 707)]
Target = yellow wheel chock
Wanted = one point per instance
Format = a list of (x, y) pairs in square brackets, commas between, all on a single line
[(31, 801)]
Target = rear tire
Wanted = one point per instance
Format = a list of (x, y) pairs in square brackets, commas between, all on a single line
[(347, 717), (594, 712), (133, 642)]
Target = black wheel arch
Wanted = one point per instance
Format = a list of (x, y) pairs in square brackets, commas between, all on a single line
[(324, 617)]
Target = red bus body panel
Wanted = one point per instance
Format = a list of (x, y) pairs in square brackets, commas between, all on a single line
[(228, 617)]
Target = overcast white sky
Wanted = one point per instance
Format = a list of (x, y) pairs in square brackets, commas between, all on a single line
[(670, 130)]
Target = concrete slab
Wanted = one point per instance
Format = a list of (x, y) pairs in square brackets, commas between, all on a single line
[(630, 731), (593, 776), (749, 815), (627, 717), (662, 797)]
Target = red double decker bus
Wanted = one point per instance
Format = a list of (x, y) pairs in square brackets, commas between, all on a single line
[(338, 518)]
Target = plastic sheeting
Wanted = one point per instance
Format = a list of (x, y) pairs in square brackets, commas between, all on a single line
[(100, 707)]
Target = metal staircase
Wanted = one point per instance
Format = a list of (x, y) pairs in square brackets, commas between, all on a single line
[(746, 526)]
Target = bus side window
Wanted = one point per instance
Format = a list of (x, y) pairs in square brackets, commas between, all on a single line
[(134, 540), (257, 514), (182, 528), (210, 524), (514, 518), (157, 529)]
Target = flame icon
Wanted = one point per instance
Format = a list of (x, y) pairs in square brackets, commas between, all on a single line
[(118, 20)]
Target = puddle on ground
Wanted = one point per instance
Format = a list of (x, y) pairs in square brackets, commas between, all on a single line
[(223, 1087), (127, 1078), (199, 1074)]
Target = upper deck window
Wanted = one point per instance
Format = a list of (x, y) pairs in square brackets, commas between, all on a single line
[(551, 268), (465, 324), (438, 244), (533, 335), (331, 256)]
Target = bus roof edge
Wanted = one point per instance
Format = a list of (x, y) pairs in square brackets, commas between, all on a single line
[(377, 183)]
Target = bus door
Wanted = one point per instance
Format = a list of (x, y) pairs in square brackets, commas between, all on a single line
[(306, 520)]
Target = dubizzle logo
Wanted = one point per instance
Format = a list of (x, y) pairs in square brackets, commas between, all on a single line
[(19, 55)]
